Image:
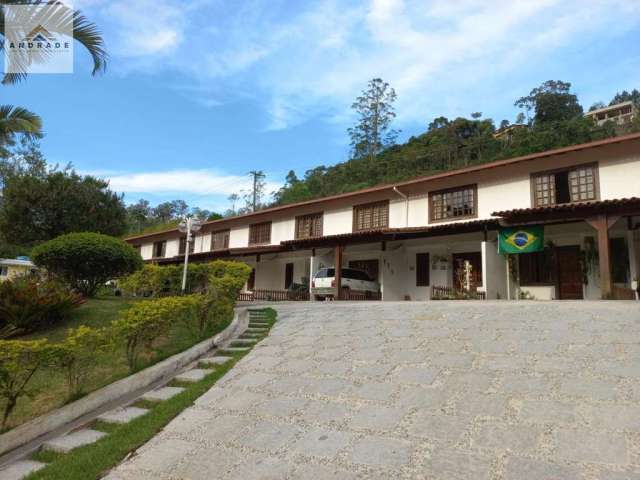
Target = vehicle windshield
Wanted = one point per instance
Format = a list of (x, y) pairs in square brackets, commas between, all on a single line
[(346, 273)]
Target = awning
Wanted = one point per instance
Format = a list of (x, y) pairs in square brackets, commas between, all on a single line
[(390, 234)]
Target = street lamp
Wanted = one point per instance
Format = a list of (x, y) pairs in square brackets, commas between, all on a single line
[(189, 225)]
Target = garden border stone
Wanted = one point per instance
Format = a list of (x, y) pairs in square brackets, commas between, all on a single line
[(66, 418)]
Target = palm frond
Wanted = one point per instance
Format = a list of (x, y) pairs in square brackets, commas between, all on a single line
[(18, 121), (58, 18)]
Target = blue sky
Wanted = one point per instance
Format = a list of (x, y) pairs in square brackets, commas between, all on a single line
[(199, 92)]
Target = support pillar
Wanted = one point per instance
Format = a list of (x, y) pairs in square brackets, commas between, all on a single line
[(602, 224), (338, 270)]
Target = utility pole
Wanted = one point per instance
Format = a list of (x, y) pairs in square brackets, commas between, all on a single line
[(258, 176)]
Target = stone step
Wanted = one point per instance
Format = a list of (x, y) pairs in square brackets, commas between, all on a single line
[(256, 330), (193, 375), (217, 360), (234, 349), (20, 469), (72, 440), (162, 394), (243, 341), (122, 415), (251, 335), (258, 325)]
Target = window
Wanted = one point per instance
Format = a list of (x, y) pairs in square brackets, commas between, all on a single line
[(422, 270), (577, 184), (308, 226), (260, 233), (159, 249), (536, 268), (220, 240), (371, 216), (453, 204), (183, 245)]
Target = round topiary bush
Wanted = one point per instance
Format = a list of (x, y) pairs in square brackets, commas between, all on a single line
[(87, 261)]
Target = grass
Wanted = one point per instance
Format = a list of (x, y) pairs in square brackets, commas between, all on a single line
[(95, 460), (48, 386)]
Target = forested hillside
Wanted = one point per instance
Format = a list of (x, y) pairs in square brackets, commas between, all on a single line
[(551, 117)]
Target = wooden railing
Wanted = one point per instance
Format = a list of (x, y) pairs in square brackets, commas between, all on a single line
[(272, 296), (358, 296), (451, 293)]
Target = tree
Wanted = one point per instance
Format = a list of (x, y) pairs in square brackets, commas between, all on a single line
[(292, 191), (15, 121), (625, 96), (86, 260), (59, 19), (24, 159), (233, 198), (551, 102), (375, 112), (36, 209), (253, 198)]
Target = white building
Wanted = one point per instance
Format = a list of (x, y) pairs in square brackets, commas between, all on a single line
[(620, 113), (413, 236)]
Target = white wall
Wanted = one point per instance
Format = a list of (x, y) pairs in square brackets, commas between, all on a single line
[(337, 221), (173, 246), (282, 230), (494, 270), (616, 177), (239, 237), (146, 251)]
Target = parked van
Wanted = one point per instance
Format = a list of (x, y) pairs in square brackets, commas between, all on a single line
[(323, 284)]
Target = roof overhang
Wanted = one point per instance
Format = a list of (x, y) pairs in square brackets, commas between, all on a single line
[(391, 234), (571, 211)]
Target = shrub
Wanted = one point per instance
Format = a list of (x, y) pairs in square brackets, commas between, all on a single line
[(19, 361), (148, 320), (76, 354), (27, 304), (155, 280), (87, 260)]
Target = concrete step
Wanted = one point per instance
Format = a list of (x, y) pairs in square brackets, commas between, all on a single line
[(162, 394), (193, 375), (256, 330), (243, 341), (122, 415), (234, 349), (217, 360), (73, 440), (20, 469), (258, 325)]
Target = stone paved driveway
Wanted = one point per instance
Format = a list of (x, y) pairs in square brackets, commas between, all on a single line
[(466, 390)]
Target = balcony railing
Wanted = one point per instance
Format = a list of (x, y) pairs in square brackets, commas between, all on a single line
[(451, 293), (273, 296)]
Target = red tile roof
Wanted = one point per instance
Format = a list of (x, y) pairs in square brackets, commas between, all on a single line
[(571, 207)]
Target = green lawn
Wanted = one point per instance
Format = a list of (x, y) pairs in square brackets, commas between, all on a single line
[(93, 461), (49, 387)]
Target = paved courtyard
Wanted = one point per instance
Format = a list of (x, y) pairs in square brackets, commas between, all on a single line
[(450, 390)]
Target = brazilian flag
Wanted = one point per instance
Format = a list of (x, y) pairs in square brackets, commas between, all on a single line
[(521, 239)]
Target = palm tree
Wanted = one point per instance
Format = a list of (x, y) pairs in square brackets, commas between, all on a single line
[(59, 18), (17, 121)]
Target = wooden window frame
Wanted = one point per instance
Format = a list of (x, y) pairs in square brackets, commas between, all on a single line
[(299, 218), (551, 281), (423, 280), (164, 249), (473, 187), (596, 181), (253, 233), (182, 245), (371, 205), (226, 241)]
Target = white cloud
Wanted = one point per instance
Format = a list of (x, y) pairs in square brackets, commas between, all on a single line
[(303, 59), (190, 182)]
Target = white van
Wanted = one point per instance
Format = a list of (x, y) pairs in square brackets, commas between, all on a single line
[(323, 284)]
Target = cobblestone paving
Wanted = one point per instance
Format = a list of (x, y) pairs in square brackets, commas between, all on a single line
[(460, 390)]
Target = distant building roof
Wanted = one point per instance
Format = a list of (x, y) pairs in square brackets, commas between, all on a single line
[(14, 262)]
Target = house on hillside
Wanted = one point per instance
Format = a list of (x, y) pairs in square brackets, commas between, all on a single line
[(11, 268), (505, 134), (620, 113), (439, 236)]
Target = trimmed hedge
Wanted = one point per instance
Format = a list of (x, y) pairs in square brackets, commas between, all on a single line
[(87, 260)]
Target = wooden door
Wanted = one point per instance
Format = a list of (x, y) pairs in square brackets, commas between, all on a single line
[(475, 259), (288, 275), (369, 266), (569, 273)]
